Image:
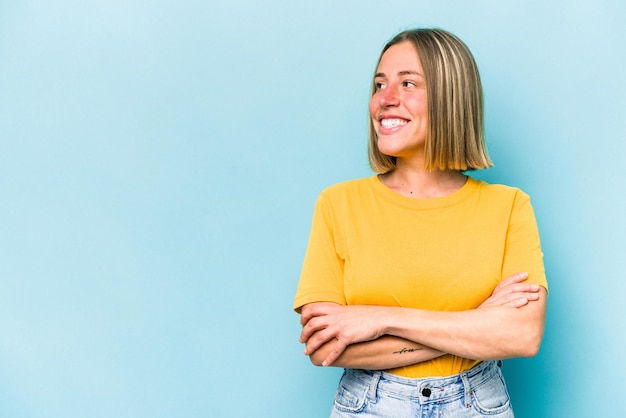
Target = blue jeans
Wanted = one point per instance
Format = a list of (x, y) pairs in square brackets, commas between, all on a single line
[(478, 392)]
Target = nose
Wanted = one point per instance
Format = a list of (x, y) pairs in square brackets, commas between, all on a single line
[(388, 96)]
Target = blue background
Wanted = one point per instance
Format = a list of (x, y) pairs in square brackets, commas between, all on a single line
[(159, 162)]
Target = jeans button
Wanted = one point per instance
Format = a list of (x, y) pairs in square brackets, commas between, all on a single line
[(426, 392)]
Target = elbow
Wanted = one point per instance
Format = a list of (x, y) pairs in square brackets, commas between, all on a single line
[(517, 349), (317, 358), (527, 351), (528, 341), (315, 361), (529, 346), (531, 349)]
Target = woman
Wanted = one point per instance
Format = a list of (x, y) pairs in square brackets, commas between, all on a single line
[(420, 279)]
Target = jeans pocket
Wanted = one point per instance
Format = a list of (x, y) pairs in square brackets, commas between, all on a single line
[(351, 394), (491, 398)]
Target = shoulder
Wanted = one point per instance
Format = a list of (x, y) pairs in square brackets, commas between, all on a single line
[(499, 200), (499, 191), (347, 195), (348, 188)]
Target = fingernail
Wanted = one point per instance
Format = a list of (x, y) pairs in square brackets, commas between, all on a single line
[(534, 287)]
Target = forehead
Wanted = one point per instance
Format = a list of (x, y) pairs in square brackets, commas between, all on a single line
[(398, 58)]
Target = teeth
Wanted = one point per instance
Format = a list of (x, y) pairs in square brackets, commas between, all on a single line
[(392, 123)]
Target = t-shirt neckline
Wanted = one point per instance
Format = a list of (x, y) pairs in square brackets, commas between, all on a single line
[(424, 203)]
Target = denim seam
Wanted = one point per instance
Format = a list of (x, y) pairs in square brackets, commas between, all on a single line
[(467, 391), (372, 392)]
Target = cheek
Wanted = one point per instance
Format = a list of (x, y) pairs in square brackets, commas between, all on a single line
[(419, 105), (372, 116), (374, 106)]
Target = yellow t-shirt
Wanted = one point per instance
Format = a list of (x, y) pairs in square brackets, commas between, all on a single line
[(372, 246)]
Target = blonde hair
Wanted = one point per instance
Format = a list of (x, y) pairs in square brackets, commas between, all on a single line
[(455, 138)]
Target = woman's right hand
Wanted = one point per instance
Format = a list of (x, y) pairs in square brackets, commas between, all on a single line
[(513, 292)]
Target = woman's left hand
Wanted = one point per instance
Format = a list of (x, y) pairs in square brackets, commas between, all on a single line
[(324, 321), (513, 291)]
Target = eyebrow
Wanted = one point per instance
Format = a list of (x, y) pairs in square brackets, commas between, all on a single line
[(404, 72)]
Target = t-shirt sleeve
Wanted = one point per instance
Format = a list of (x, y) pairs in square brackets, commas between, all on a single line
[(321, 279), (523, 251)]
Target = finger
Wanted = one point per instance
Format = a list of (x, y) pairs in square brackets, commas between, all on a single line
[(517, 277), (532, 296), (318, 339), (337, 351), (308, 312), (522, 295), (314, 325), (512, 298), (521, 288), (306, 333), (516, 288), (518, 300), (315, 309), (517, 303), (512, 279)]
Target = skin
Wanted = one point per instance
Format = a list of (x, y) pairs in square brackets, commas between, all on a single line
[(401, 97), (361, 336), (510, 323)]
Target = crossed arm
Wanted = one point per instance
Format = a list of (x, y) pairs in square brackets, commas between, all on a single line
[(509, 323)]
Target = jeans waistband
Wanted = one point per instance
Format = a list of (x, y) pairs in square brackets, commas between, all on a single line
[(430, 389)]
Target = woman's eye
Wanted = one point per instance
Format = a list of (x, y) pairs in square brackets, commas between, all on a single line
[(379, 86), (408, 84)]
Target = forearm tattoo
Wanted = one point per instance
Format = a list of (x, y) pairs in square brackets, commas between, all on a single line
[(408, 350)]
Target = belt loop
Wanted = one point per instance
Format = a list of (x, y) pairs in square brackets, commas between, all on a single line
[(467, 390), (373, 388)]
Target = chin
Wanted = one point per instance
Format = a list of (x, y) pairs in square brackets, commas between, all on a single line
[(391, 151)]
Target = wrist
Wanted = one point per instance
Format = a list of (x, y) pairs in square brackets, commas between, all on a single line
[(389, 320)]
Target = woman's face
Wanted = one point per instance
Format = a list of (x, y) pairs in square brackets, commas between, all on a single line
[(399, 108)]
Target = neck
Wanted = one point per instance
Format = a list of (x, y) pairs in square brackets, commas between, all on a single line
[(421, 184)]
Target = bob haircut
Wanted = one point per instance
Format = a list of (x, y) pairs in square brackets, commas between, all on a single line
[(455, 137)]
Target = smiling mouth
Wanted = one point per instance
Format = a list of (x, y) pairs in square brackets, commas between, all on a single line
[(392, 123)]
